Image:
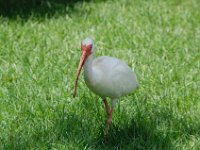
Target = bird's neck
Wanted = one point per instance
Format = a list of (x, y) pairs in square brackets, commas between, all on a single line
[(88, 70)]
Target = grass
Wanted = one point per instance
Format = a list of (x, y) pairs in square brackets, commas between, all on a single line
[(39, 54)]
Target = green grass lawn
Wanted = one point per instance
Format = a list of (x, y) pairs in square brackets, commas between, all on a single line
[(39, 55)]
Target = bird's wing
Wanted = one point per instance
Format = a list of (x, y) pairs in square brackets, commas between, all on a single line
[(123, 77), (116, 75)]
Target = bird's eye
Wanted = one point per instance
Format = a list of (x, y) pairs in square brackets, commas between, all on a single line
[(90, 46)]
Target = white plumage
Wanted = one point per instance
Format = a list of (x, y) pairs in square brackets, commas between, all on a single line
[(105, 76), (109, 77)]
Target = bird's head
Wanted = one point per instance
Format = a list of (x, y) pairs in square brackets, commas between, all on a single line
[(87, 50), (87, 46)]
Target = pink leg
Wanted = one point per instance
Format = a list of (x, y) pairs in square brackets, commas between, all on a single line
[(109, 115)]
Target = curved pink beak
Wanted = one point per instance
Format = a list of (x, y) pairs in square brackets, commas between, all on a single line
[(80, 66)]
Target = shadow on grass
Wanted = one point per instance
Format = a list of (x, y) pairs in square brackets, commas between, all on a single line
[(71, 128), (81, 130), (134, 136), (13, 9)]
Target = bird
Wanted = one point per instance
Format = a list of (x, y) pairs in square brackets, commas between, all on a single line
[(106, 76)]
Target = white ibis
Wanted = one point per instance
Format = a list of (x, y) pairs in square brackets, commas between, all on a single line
[(106, 76)]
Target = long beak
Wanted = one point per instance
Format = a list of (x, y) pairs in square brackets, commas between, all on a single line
[(83, 57)]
